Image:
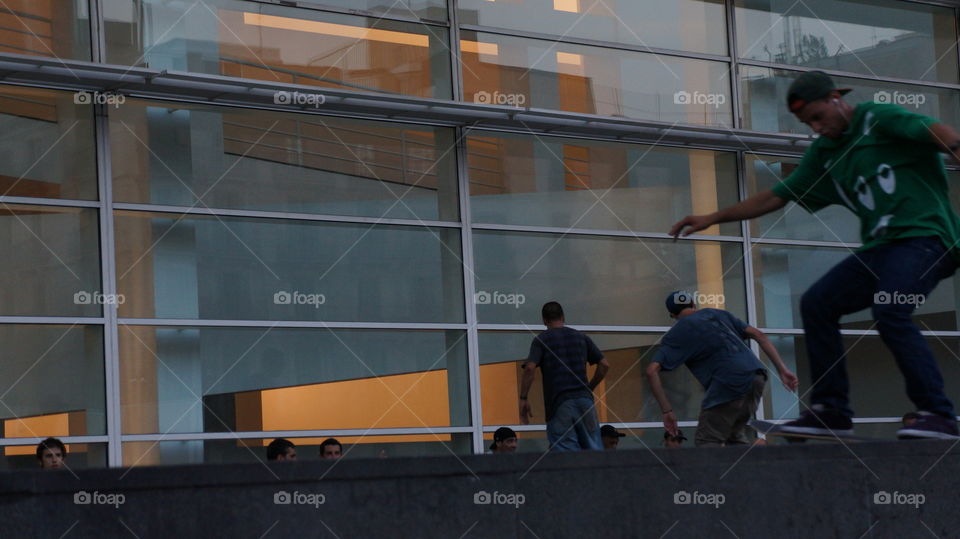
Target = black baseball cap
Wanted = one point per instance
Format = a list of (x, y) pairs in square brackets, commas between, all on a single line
[(502, 434), (679, 300), (808, 87), (609, 431)]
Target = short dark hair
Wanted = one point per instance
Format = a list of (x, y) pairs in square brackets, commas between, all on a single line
[(50, 443), (551, 311), (330, 441), (278, 448)]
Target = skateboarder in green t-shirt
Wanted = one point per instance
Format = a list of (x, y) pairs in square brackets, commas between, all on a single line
[(883, 163)]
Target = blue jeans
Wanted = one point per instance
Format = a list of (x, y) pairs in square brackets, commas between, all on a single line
[(888, 279), (574, 426)]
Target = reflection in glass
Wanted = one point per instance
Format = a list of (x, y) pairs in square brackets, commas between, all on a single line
[(833, 223), (245, 159), (553, 181), (208, 267), (764, 97), (598, 280), (262, 379), (783, 273), (690, 25), (876, 385), (504, 70), (252, 450), (79, 456), (622, 397), (52, 267), (257, 40), (46, 144), (424, 9), (872, 37), (52, 381), (50, 28)]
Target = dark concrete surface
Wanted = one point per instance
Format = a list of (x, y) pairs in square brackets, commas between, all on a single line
[(819, 491)]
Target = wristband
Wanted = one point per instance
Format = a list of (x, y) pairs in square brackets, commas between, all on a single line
[(668, 411)]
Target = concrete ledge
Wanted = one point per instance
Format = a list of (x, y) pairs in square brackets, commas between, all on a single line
[(784, 491)]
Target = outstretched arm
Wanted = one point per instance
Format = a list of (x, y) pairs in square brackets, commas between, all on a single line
[(759, 204), (789, 379), (656, 387), (946, 138)]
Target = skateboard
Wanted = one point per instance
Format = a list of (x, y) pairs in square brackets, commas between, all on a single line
[(772, 429)]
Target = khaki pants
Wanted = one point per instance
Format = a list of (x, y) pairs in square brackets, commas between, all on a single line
[(726, 424)]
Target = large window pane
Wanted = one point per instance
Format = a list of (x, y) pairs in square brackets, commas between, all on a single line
[(872, 37), (600, 281), (876, 385), (52, 267), (236, 158), (424, 9), (691, 25), (79, 456), (834, 223), (262, 379), (263, 41), (51, 28), (622, 397), (51, 381), (255, 450), (552, 181), (546, 74), (764, 98), (783, 274), (207, 267), (46, 145)]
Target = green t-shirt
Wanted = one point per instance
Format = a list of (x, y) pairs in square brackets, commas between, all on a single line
[(887, 170)]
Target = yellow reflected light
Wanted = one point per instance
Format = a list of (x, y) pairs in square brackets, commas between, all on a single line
[(331, 29)]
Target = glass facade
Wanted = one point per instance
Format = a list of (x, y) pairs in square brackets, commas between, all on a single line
[(191, 277)]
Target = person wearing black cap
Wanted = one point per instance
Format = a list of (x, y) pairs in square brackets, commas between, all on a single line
[(610, 436), (881, 162), (710, 343), (562, 353), (504, 441)]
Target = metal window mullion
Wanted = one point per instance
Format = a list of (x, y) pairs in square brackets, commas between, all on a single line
[(470, 307), (98, 52), (316, 7), (456, 59), (111, 347), (318, 324), (734, 65), (748, 271)]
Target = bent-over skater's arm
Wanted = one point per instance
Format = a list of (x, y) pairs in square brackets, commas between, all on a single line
[(789, 379), (656, 387)]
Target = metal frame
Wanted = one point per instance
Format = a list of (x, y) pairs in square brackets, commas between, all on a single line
[(225, 91)]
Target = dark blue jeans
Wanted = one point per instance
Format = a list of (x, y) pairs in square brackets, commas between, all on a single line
[(888, 279)]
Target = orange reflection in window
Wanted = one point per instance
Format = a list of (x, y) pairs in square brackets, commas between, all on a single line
[(59, 425)]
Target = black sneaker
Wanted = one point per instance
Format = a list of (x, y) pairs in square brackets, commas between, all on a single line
[(820, 421), (930, 425)]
